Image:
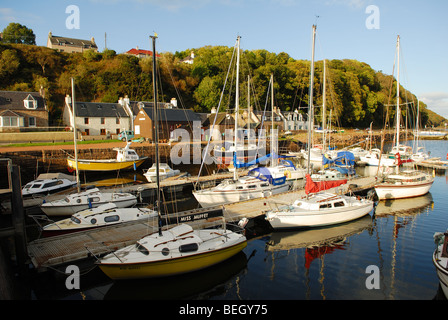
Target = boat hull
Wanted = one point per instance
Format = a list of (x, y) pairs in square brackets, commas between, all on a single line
[(56, 210), (390, 191), (440, 261), (208, 198), (171, 267), (104, 165), (298, 220)]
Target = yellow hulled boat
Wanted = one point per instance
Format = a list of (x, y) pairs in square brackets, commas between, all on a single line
[(178, 250), (126, 159)]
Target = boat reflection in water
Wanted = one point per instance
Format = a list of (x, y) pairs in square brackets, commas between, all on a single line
[(317, 243), (404, 206), (203, 284)]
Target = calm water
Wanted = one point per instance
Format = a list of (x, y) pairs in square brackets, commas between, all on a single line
[(328, 263)]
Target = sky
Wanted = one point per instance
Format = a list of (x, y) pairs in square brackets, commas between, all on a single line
[(364, 30)]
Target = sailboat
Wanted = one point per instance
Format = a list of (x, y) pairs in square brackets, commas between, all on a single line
[(259, 182), (320, 208), (407, 183), (174, 251), (104, 215)]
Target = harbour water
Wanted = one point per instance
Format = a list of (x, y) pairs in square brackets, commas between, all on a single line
[(382, 257)]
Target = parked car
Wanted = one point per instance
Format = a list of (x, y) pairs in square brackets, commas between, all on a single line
[(126, 135)]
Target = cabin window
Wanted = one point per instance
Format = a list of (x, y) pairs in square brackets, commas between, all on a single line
[(325, 205), (75, 220), (95, 199), (338, 204), (165, 251), (36, 186), (93, 221), (113, 218), (142, 249), (251, 186), (190, 247)]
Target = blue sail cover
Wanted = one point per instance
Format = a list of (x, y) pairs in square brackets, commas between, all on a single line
[(264, 174), (344, 162), (239, 164)]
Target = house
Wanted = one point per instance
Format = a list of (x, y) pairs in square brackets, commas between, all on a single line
[(98, 118), (170, 119), (189, 59), (226, 121), (64, 44), (22, 110), (139, 53)]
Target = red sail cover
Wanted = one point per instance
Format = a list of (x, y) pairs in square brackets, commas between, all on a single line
[(313, 186)]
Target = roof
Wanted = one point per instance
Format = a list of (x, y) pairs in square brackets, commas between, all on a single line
[(64, 41), (173, 114), (138, 52), (13, 100), (99, 109)]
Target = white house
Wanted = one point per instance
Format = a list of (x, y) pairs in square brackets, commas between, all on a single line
[(99, 118)]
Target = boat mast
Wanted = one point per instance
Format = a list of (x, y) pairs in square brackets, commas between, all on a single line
[(324, 113), (156, 127), (274, 159), (310, 107), (237, 98), (78, 184), (398, 91)]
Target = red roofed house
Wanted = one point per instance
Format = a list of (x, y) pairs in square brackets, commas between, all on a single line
[(139, 53)]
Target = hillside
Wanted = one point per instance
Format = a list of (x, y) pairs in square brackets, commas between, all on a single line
[(356, 94)]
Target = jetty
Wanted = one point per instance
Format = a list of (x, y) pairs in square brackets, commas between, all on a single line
[(72, 248)]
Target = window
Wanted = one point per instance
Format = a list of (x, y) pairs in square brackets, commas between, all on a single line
[(87, 131), (103, 120), (117, 120), (113, 218), (103, 132), (86, 120), (31, 121)]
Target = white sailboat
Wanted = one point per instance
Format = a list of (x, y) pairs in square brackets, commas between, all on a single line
[(104, 215), (259, 182), (320, 208), (177, 250), (408, 183), (90, 198)]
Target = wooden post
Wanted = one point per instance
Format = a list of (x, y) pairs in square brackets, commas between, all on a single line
[(18, 220)]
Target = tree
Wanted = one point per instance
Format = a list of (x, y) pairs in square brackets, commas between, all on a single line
[(17, 33)]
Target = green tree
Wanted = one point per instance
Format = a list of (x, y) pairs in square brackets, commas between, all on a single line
[(17, 33)]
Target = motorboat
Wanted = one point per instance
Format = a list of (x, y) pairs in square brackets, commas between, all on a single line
[(101, 216), (48, 183), (90, 198), (126, 159), (164, 172), (440, 260), (404, 184), (258, 183), (319, 208)]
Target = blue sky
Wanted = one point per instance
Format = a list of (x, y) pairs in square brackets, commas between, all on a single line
[(274, 25)]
